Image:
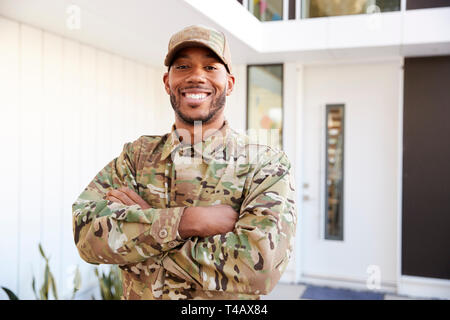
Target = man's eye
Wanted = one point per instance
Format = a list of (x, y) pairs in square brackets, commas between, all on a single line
[(180, 67), (210, 68)]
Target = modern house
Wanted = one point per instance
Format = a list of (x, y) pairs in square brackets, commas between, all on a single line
[(358, 89)]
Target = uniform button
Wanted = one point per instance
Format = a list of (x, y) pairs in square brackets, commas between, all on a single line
[(172, 244), (163, 233)]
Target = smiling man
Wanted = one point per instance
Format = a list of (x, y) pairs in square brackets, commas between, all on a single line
[(200, 212)]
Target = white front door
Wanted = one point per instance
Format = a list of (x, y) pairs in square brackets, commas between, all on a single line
[(370, 95)]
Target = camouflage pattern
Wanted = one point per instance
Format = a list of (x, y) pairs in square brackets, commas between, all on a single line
[(155, 262), (198, 35)]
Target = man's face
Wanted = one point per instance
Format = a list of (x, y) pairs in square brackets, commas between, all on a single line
[(197, 83)]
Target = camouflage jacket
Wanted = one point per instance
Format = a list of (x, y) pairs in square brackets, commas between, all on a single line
[(155, 262)]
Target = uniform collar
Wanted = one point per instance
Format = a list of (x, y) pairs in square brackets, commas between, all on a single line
[(211, 145)]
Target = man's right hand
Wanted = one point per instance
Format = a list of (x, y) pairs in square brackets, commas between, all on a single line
[(207, 221)]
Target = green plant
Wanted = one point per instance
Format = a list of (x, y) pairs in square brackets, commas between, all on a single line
[(110, 283), (49, 283), (11, 295)]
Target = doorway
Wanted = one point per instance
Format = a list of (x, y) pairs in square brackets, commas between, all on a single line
[(368, 207)]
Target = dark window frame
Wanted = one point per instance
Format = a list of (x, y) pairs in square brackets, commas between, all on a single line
[(292, 6), (426, 4)]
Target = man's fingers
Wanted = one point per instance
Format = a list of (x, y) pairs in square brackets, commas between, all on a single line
[(128, 197), (123, 197), (134, 196), (131, 194), (113, 199)]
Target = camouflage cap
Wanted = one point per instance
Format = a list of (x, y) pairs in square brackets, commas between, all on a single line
[(199, 36)]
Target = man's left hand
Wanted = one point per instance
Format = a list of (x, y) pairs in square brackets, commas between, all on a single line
[(127, 197)]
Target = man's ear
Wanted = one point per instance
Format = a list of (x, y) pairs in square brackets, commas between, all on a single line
[(230, 83), (166, 82)]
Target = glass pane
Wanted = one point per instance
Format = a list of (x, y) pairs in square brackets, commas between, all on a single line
[(266, 10), (265, 103), (334, 172), (327, 8)]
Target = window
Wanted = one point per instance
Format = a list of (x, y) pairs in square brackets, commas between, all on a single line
[(327, 8), (334, 177), (266, 10), (265, 103)]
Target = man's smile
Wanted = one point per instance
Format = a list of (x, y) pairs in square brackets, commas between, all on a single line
[(195, 96)]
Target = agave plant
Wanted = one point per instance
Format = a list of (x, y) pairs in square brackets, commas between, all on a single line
[(110, 283)]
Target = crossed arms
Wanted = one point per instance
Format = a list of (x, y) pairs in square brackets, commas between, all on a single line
[(195, 221), (214, 246)]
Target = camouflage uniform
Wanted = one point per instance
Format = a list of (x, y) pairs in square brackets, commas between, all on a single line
[(156, 263)]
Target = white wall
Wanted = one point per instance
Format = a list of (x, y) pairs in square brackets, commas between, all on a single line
[(66, 110)]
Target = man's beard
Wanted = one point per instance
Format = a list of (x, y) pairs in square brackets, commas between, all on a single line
[(214, 107)]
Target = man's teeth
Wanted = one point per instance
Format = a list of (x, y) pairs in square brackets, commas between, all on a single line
[(198, 96)]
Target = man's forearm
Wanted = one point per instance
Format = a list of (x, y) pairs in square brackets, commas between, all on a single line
[(207, 221)]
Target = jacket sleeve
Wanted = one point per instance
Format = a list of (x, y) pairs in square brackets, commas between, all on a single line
[(113, 233), (252, 258)]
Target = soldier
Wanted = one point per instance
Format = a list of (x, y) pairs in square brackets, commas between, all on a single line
[(200, 212)]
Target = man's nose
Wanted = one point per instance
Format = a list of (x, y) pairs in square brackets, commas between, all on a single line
[(196, 75)]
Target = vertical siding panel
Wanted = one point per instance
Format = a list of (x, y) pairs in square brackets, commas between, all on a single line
[(155, 89), (88, 116), (141, 127), (103, 145), (130, 96), (9, 138), (52, 155), (117, 105), (134, 134), (150, 102), (30, 162), (87, 136), (71, 156)]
